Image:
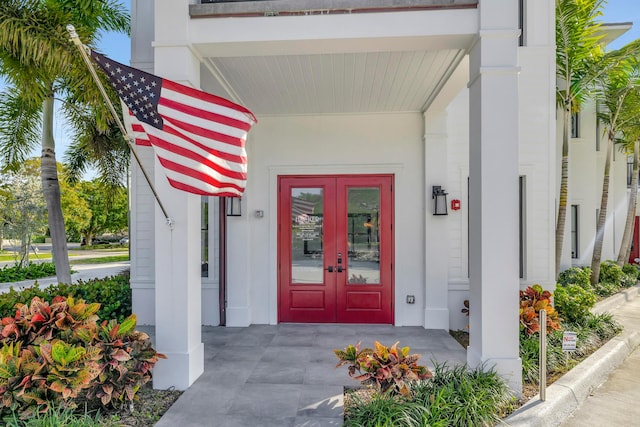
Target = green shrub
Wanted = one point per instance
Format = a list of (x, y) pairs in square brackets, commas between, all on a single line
[(113, 293), (59, 353), (530, 353), (632, 272), (454, 396), (593, 331), (580, 276), (610, 272), (114, 245), (15, 273), (606, 289), (54, 416), (573, 302), (384, 410), (459, 396), (602, 326)]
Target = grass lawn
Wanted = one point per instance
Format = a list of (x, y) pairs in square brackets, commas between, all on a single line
[(101, 260), (12, 257), (6, 257)]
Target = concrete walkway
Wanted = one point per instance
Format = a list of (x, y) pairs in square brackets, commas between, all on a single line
[(616, 402), (284, 375)]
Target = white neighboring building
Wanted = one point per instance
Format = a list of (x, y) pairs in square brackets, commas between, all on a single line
[(363, 108)]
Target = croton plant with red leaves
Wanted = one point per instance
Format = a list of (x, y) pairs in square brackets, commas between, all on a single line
[(532, 300), (61, 352)]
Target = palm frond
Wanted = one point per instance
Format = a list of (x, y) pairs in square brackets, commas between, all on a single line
[(19, 128), (106, 151)]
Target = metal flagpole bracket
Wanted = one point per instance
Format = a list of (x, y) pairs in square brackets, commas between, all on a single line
[(170, 222), (72, 31), (85, 51)]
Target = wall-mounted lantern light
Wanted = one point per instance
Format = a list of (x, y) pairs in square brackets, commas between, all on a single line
[(439, 197), (234, 206)]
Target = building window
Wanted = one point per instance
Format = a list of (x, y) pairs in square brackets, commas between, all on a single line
[(629, 171), (522, 228), (574, 231), (204, 236), (575, 125), (522, 4)]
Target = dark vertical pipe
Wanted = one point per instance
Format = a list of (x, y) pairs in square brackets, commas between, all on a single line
[(222, 259)]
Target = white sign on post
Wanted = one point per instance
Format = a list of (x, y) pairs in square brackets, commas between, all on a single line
[(569, 341)]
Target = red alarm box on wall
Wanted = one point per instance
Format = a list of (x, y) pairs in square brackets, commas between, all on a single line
[(455, 205)]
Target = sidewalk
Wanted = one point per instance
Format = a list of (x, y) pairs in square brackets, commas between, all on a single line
[(615, 403), (616, 364)]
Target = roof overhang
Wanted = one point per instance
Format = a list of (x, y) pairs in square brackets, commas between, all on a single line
[(614, 30), (395, 60)]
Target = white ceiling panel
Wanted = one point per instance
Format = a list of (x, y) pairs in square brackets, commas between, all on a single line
[(335, 83)]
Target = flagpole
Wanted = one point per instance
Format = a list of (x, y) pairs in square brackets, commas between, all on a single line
[(76, 40)]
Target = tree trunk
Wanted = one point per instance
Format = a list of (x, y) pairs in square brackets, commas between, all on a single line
[(564, 186), (51, 191), (627, 236), (24, 251), (596, 258)]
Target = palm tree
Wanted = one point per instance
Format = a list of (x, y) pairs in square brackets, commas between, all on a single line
[(580, 62), (615, 88), (631, 134), (40, 66), (577, 47)]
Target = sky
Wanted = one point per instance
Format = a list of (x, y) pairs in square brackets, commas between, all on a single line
[(118, 47), (616, 11)]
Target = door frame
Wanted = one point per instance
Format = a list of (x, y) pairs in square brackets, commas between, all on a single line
[(279, 257)]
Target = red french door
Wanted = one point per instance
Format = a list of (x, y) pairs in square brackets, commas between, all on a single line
[(335, 249)]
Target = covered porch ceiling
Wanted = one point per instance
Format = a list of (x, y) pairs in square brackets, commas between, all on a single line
[(393, 56)]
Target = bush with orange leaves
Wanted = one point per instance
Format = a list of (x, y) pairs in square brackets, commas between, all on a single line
[(390, 369), (532, 300)]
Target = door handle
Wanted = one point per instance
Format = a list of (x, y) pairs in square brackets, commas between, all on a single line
[(339, 269), (329, 269)]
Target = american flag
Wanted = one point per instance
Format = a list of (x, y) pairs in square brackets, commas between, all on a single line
[(198, 137)]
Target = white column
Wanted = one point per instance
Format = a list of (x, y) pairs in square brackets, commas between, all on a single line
[(141, 221), (493, 173), (177, 249), (436, 312)]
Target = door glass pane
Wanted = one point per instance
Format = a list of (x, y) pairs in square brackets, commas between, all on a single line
[(307, 257), (363, 239)]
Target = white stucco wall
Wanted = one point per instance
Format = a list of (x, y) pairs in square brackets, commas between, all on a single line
[(326, 144)]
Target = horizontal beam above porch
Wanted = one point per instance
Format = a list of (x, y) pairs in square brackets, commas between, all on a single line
[(319, 34), (215, 8)]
